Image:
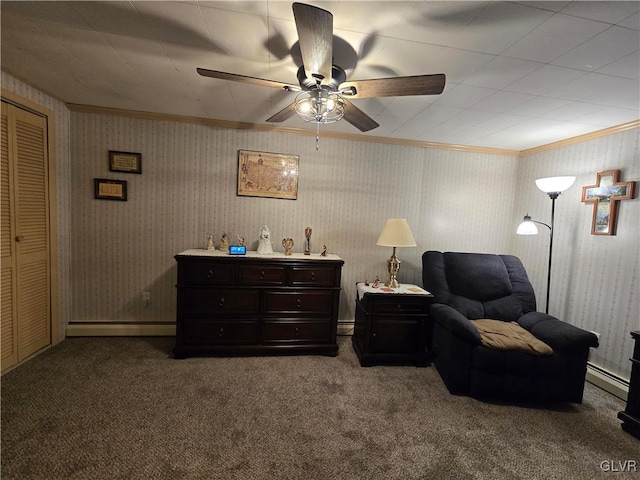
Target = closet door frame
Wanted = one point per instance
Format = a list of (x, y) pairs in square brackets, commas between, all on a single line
[(57, 334)]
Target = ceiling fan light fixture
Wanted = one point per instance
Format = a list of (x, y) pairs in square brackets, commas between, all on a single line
[(319, 106)]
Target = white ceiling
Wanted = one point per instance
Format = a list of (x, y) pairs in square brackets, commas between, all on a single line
[(519, 74)]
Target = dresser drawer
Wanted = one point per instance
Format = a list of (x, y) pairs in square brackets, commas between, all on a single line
[(314, 302), (404, 305), (303, 331), (262, 275), (206, 301), (191, 273), (312, 276), (201, 332)]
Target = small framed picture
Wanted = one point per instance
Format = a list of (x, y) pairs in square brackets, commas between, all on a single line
[(126, 162), (106, 189)]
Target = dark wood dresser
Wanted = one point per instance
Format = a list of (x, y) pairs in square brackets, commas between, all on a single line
[(392, 328), (256, 304), (631, 415)]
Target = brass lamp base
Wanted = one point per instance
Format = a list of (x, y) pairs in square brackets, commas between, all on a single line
[(394, 266)]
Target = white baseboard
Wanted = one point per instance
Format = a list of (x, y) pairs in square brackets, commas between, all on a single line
[(120, 330), (607, 381), (345, 328)]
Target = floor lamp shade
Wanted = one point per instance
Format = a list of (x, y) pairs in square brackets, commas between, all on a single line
[(396, 233), (527, 227), (555, 184)]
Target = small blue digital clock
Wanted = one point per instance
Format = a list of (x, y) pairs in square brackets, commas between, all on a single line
[(237, 249)]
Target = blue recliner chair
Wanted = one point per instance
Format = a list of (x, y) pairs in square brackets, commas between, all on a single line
[(470, 286)]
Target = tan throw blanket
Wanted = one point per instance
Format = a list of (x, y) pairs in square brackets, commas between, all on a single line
[(509, 336)]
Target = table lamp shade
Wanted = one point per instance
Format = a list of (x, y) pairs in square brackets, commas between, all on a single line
[(396, 233)]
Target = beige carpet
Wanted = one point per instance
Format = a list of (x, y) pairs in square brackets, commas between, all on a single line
[(122, 408)]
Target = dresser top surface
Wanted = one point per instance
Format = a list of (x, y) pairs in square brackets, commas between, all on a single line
[(197, 252)]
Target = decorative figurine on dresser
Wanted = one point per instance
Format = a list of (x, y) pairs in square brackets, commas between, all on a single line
[(264, 241), (287, 244), (224, 242), (307, 242), (254, 304)]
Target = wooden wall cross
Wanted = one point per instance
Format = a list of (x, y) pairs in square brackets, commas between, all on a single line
[(604, 195)]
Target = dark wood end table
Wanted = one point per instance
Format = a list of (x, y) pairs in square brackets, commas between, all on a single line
[(393, 327)]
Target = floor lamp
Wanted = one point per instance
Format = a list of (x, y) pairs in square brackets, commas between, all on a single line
[(552, 186)]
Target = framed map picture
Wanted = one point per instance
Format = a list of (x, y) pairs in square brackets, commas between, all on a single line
[(264, 174)]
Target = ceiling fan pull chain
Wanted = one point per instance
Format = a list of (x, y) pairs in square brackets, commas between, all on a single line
[(317, 135)]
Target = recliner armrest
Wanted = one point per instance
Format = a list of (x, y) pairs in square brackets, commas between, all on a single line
[(556, 333), (454, 321)]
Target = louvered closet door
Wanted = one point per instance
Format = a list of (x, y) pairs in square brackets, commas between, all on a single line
[(27, 155), (7, 258)]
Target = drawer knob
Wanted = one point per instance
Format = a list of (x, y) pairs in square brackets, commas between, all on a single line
[(221, 332), (313, 276), (298, 303), (221, 302), (262, 275), (297, 332), (210, 273)]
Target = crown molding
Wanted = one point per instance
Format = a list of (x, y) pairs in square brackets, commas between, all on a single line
[(74, 107), (273, 128), (582, 138)]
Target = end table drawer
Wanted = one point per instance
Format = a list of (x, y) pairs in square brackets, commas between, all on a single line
[(400, 306)]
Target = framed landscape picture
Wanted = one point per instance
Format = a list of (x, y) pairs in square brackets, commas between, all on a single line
[(265, 174)]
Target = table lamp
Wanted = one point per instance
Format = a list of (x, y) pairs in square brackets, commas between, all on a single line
[(396, 233)]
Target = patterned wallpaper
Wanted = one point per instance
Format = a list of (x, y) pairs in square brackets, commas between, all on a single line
[(111, 252), (595, 279), (347, 190), (62, 122)]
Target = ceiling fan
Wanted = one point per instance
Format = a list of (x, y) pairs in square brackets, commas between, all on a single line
[(323, 86)]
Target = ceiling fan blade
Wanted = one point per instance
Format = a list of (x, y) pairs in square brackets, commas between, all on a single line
[(245, 79), (397, 86), (315, 33), (284, 114), (357, 117)]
